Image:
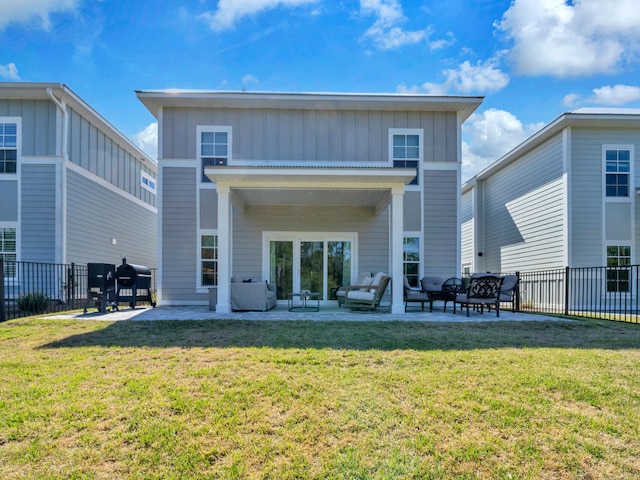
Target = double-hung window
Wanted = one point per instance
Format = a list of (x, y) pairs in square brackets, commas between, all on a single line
[(208, 260), (618, 271), (411, 260), (8, 147), (405, 149), (214, 148), (617, 172), (8, 250)]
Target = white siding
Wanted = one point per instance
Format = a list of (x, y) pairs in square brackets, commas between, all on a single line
[(523, 212), (96, 215)]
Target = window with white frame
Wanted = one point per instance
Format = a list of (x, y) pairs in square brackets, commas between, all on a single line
[(148, 182), (208, 260), (411, 260), (617, 172), (405, 149), (8, 147), (8, 250), (214, 148), (618, 272)]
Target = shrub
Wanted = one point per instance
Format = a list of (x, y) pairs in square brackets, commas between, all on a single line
[(34, 302)]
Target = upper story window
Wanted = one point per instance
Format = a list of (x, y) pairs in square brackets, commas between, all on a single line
[(214, 148), (148, 182), (617, 172), (8, 147), (405, 149)]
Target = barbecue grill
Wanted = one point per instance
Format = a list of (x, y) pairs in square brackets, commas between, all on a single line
[(133, 284)]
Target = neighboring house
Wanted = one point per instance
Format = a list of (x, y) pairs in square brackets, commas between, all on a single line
[(72, 187), (566, 197), (305, 190)]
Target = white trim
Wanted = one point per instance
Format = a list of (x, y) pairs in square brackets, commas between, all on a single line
[(408, 131), (301, 236), (620, 200), (109, 186), (151, 184), (567, 156), (200, 129), (180, 163), (202, 232), (18, 122)]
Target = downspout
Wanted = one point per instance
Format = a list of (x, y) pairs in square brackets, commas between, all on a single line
[(64, 144)]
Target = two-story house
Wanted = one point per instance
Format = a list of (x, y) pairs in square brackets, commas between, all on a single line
[(566, 197), (305, 190), (72, 187)]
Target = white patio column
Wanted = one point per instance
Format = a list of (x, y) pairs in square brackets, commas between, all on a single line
[(224, 250), (397, 230)]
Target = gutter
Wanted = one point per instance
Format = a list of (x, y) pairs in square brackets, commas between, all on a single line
[(61, 226)]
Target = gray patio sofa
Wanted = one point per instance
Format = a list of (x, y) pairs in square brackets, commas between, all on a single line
[(252, 294)]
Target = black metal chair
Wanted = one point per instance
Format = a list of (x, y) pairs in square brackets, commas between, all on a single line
[(483, 291)]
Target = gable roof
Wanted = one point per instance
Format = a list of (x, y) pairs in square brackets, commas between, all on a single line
[(39, 91), (153, 99), (582, 117)]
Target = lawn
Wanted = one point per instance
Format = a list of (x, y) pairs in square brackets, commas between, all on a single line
[(317, 400)]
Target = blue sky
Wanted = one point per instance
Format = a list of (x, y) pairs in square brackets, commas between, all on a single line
[(531, 59)]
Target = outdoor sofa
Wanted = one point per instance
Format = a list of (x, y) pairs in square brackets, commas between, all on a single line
[(252, 294)]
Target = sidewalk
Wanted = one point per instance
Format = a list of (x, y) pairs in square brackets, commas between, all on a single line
[(326, 314)]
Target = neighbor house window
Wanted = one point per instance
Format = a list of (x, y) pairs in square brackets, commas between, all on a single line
[(209, 260), (406, 149), (618, 172), (618, 272), (411, 260), (8, 147), (8, 250), (148, 182), (214, 148)]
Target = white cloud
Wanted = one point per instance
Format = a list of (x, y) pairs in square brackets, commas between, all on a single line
[(249, 79), (229, 12), (615, 95), (9, 72), (480, 78), (147, 140), (386, 33), (29, 10), (572, 38), (489, 135)]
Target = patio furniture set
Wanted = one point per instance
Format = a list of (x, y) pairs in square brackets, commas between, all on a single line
[(477, 291)]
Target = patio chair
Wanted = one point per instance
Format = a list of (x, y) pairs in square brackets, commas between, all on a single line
[(364, 279), (482, 291), (510, 291), (415, 296), (358, 297)]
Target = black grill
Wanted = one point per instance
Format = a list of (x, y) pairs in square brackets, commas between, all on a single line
[(101, 286), (133, 284)]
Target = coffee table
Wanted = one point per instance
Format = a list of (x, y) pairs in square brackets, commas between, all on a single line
[(307, 302)]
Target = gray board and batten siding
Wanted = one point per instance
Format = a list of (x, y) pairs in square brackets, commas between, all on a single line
[(38, 124), (308, 135)]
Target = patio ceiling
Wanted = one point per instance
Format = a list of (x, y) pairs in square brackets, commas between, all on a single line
[(311, 186)]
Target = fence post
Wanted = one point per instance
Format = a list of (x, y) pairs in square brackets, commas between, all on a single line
[(518, 292), (72, 282), (567, 272), (3, 315)]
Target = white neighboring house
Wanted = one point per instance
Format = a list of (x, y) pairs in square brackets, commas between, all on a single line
[(566, 197), (305, 190), (72, 187)]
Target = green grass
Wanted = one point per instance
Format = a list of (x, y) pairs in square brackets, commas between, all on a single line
[(316, 400)]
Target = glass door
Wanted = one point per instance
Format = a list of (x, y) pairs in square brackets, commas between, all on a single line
[(319, 265)]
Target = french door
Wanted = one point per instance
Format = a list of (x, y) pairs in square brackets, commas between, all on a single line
[(317, 263)]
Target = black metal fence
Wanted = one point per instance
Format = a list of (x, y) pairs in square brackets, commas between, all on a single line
[(29, 288), (610, 293)]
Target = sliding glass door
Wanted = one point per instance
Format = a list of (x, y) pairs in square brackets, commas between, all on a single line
[(319, 265)]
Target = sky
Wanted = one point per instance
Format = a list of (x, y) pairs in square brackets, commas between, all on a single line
[(532, 60)]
